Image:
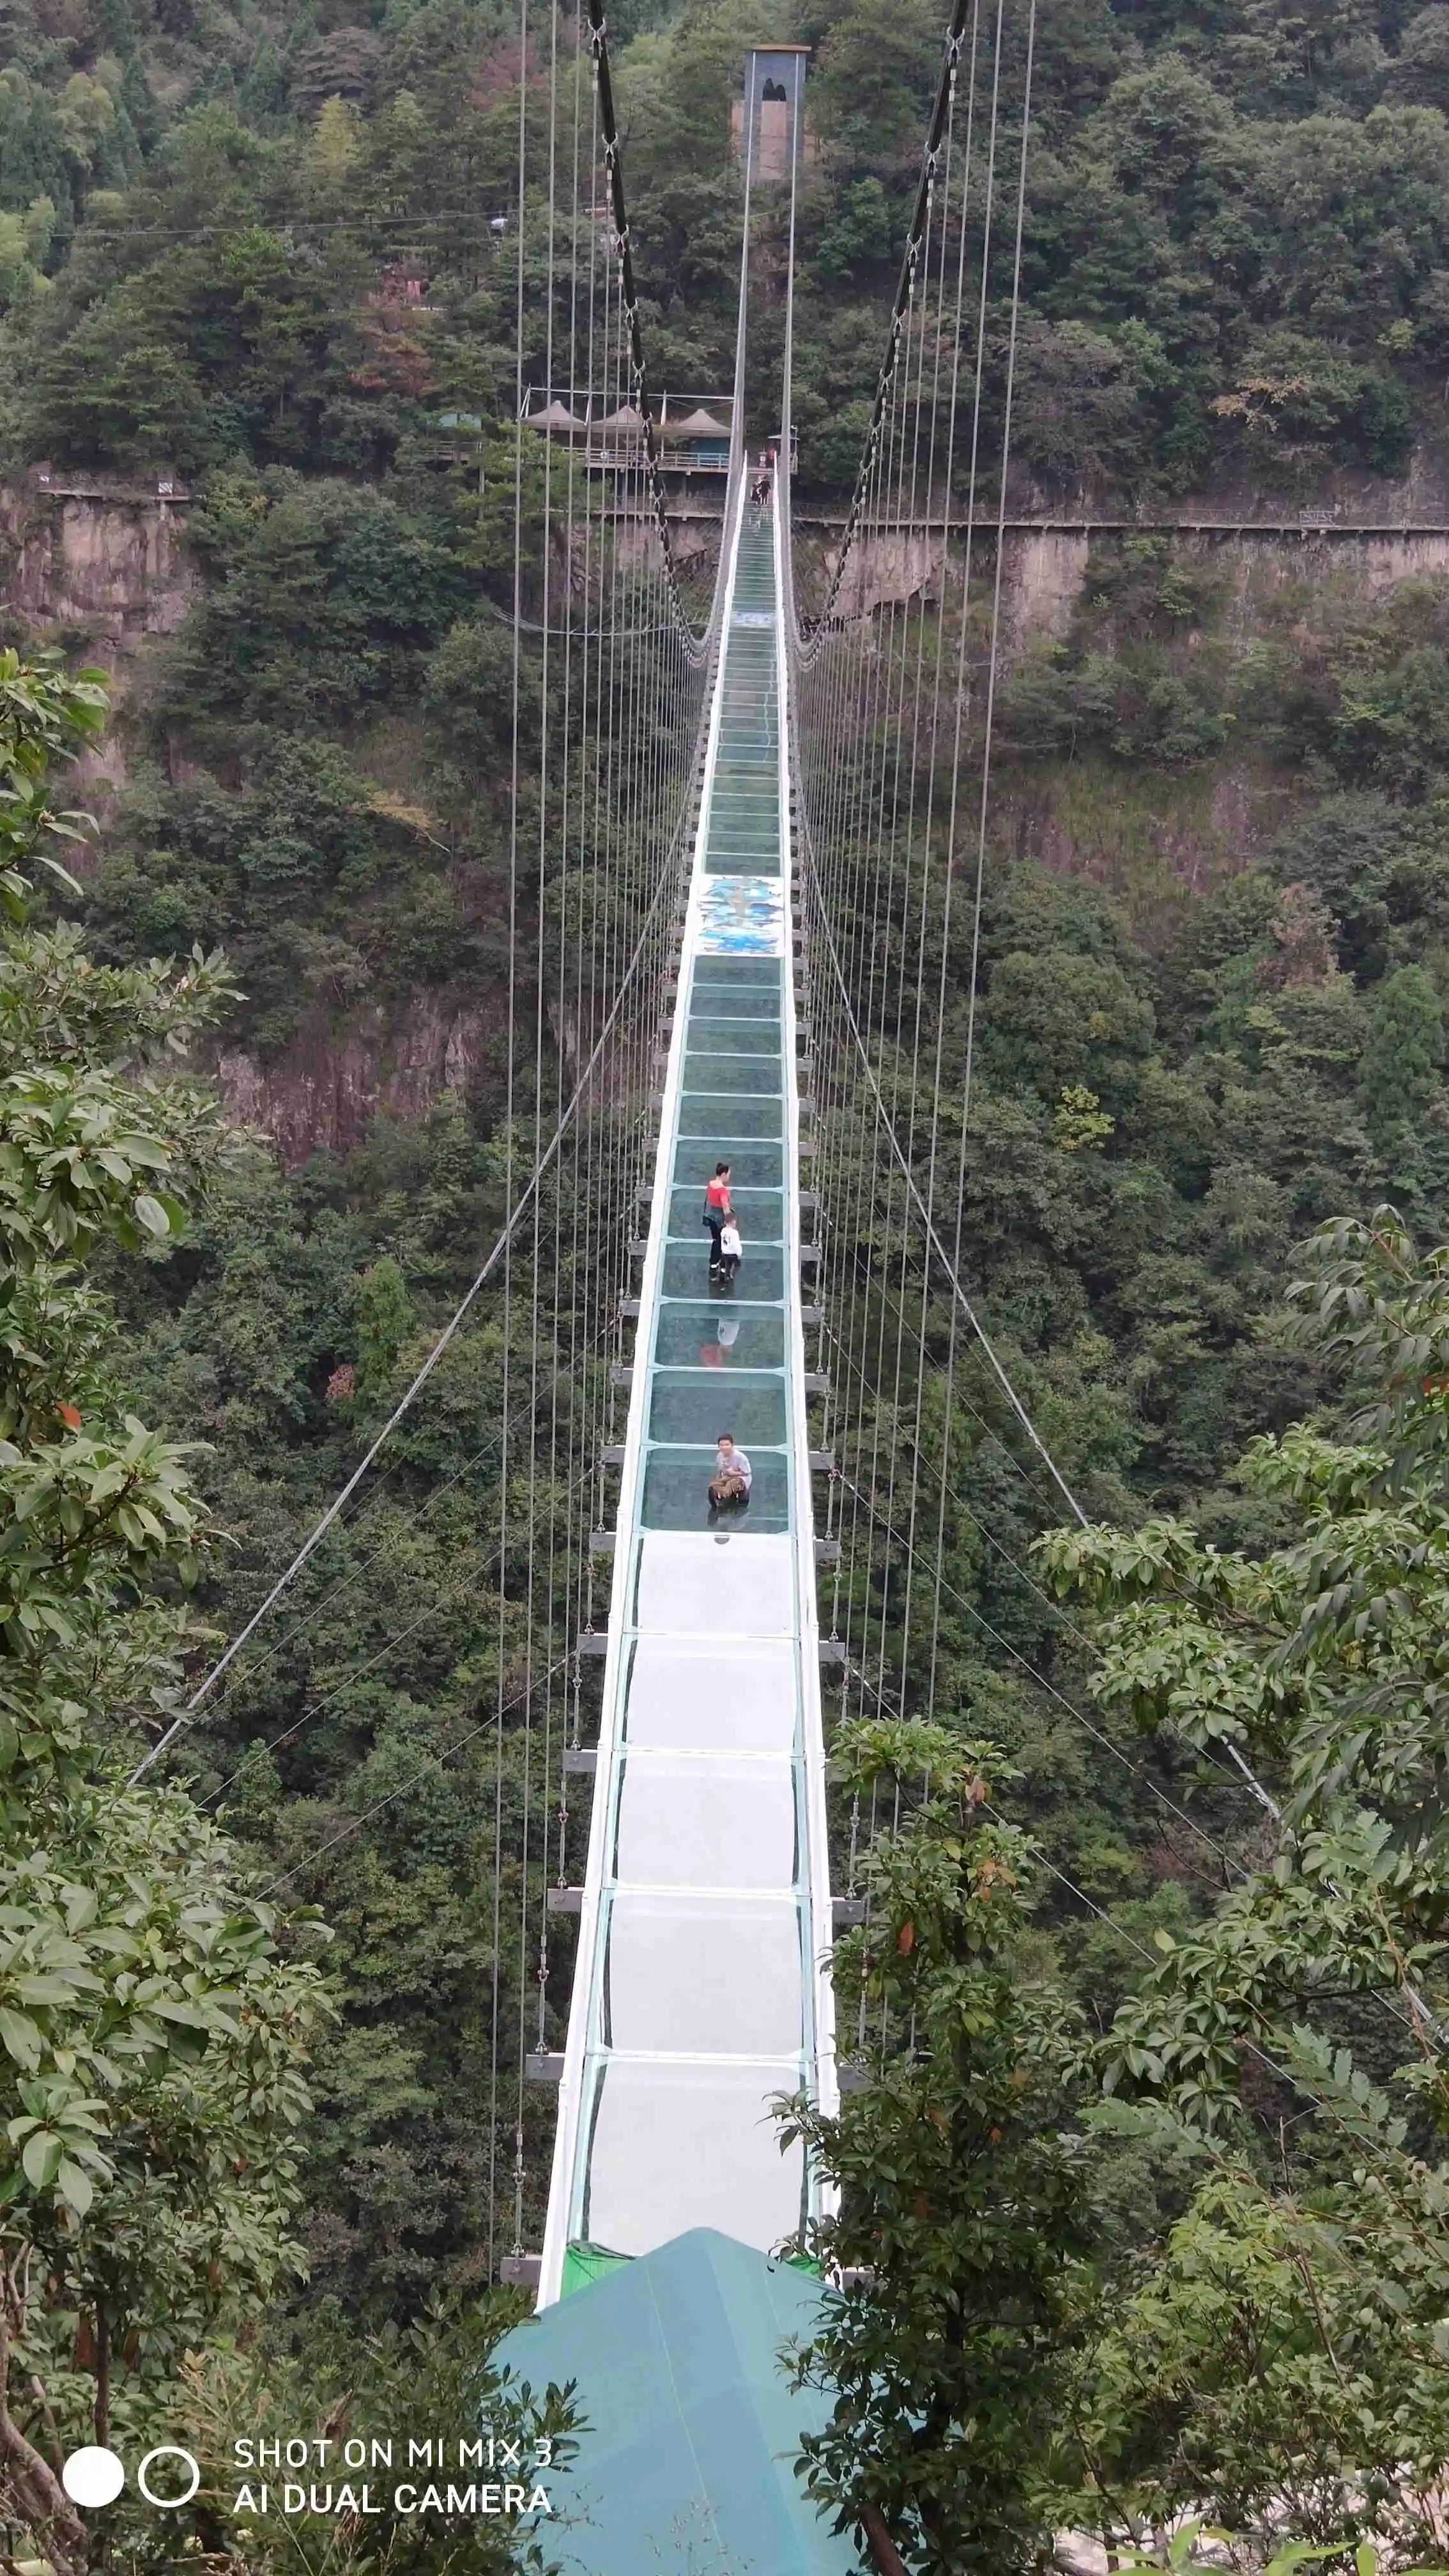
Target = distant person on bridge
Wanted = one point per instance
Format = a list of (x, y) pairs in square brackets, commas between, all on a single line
[(729, 1486), (717, 1210)]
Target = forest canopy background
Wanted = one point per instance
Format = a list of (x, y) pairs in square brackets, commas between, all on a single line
[(1214, 973)]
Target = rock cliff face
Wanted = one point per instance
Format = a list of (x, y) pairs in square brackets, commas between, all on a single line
[(100, 570), (323, 1090), (1044, 567), (103, 569), (106, 565)]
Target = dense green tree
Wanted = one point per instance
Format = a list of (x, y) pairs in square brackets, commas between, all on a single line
[(153, 2036), (1404, 1057), (872, 92), (1234, 263), (1285, 2341), (965, 2212), (1421, 70)]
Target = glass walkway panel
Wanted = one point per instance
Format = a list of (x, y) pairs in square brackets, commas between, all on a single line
[(701, 1987)]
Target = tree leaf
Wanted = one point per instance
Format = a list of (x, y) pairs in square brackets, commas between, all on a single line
[(74, 2186), (21, 2038), (41, 2157)]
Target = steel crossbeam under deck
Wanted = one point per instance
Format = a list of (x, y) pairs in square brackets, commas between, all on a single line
[(702, 1988)]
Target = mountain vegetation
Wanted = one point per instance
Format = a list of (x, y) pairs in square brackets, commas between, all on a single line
[(1158, 2225)]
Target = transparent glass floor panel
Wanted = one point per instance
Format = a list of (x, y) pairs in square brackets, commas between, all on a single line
[(755, 1002), (675, 2147), (674, 1701), (702, 1115), (695, 1408), (730, 1825), (708, 1035), (732, 1073), (689, 1586), (755, 1164), (701, 1336), (736, 1002), (676, 1494), (761, 1273), (761, 1212), (739, 975)]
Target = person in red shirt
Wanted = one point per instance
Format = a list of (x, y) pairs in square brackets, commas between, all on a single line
[(717, 1207)]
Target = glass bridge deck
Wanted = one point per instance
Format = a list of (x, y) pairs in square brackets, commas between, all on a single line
[(701, 1989)]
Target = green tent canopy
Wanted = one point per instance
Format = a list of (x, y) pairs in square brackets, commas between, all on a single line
[(688, 2427)]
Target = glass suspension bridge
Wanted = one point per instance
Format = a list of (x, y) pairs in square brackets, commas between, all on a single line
[(703, 1992), (743, 827), (702, 1989)]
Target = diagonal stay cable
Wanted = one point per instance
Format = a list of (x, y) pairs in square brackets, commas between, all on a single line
[(1252, 2047), (1134, 1770), (900, 309), (449, 1333), (449, 1598), (695, 646), (344, 1579), (927, 1221), (1421, 2018), (484, 1726)]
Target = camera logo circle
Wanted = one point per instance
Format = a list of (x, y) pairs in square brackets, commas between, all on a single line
[(168, 2451), (93, 2476)]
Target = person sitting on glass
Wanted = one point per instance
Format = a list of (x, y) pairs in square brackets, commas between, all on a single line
[(731, 1253), (729, 1486)]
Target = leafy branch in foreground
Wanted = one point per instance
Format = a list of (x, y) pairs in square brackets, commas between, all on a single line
[(964, 2213), (1282, 2358), (1199, 2266)]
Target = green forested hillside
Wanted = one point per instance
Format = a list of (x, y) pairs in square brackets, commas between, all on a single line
[(257, 249), (1236, 250)]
